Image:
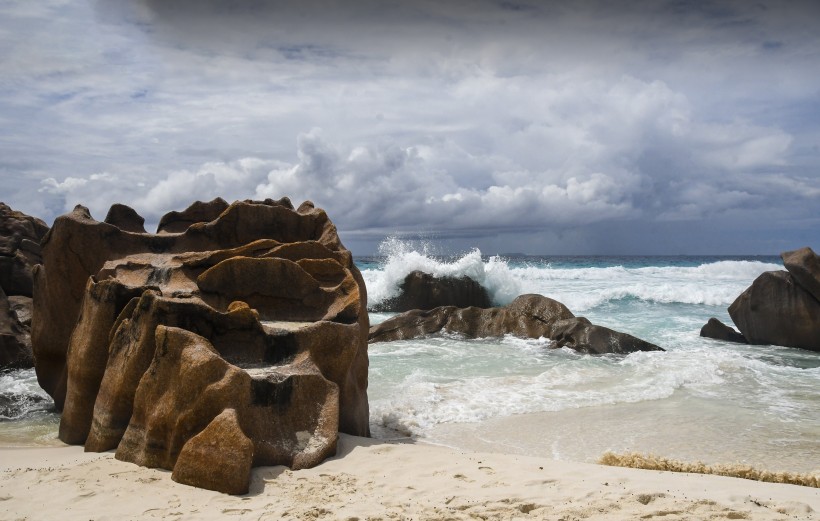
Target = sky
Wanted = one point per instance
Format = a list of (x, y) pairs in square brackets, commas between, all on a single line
[(574, 127)]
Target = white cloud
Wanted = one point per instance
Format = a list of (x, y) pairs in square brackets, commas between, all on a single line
[(67, 185), (433, 116)]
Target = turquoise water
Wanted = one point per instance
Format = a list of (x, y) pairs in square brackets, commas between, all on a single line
[(701, 399)]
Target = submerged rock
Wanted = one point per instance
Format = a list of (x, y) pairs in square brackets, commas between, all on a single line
[(421, 290), (146, 340), (528, 316), (716, 329)]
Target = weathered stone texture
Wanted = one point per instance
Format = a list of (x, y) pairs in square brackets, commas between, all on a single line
[(20, 237), (146, 340)]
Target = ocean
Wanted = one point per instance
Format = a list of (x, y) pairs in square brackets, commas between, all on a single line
[(701, 399)]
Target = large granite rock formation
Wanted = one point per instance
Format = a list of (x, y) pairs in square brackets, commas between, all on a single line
[(780, 307), (20, 237), (421, 290), (236, 322), (775, 309), (528, 316)]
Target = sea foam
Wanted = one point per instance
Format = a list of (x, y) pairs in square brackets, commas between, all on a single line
[(402, 257), (581, 289), (451, 380), (21, 396)]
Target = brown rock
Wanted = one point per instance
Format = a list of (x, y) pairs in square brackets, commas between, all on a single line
[(804, 266), (218, 458), (198, 212), (528, 316), (186, 386), (775, 309), (75, 249), (20, 237), (582, 336), (144, 339), (125, 218), (421, 290), (88, 354), (21, 306), (15, 343), (249, 229), (716, 329), (292, 419)]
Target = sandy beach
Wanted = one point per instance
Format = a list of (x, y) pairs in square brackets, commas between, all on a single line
[(370, 480)]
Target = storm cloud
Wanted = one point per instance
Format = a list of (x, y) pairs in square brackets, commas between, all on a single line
[(544, 127)]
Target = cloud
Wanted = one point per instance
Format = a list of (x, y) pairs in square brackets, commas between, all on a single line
[(434, 117)]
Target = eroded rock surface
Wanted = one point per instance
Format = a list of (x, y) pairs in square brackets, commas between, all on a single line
[(145, 340), (218, 458), (20, 237), (423, 291), (198, 212), (528, 316)]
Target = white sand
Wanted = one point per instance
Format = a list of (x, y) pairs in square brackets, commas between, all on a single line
[(377, 480)]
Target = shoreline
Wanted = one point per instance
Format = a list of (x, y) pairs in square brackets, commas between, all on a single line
[(659, 427), (398, 479)]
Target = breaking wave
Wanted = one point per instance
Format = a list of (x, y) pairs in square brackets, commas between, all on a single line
[(402, 257), (580, 288)]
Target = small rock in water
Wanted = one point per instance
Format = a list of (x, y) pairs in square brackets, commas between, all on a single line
[(716, 329)]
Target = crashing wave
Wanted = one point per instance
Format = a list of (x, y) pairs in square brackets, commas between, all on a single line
[(402, 258)]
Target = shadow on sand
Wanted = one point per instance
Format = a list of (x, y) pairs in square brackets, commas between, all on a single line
[(347, 444)]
